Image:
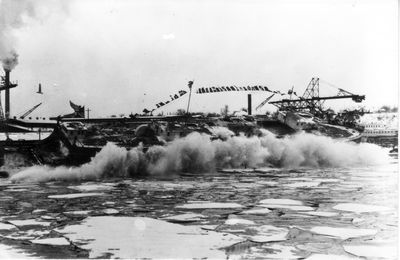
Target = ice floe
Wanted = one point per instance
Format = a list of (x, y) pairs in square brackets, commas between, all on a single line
[(303, 184), (140, 237), (29, 222), (189, 217), (76, 195), (281, 252), (291, 207), (269, 183), (281, 202), (4, 226), (92, 187), (330, 257), (360, 208), (8, 252), (78, 212), (57, 241), (110, 211), (321, 213), (268, 233), (210, 205), (343, 233), (256, 211), (373, 251), (239, 221), (39, 211)]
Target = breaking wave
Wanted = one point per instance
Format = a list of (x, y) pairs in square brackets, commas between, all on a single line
[(197, 153)]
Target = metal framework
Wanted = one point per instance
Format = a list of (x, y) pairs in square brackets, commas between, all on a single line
[(311, 101)]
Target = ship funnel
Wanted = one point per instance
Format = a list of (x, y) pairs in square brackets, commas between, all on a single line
[(7, 95), (249, 104)]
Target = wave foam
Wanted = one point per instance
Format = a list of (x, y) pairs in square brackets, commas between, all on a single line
[(197, 153)]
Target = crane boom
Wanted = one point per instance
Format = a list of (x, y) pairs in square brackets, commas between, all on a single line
[(30, 111), (311, 100)]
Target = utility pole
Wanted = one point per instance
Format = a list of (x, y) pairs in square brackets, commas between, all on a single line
[(190, 84), (88, 111)]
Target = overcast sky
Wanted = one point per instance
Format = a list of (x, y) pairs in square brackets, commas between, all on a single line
[(120, 56)]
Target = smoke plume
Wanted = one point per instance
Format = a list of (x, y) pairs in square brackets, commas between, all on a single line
[(13, 15), (197, 153)]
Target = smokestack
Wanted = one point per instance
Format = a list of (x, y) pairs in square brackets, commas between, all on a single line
[(7, 96), (249, 104)]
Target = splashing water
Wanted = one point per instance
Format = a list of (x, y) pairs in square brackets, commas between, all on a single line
[(197, 153)]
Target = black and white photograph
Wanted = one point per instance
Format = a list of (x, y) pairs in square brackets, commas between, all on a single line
[(199, 129)]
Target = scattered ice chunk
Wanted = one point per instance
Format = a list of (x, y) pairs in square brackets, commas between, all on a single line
[(8, 252), (281, 202), (78, 212), (210, 205), (47, 217), (39, 211), (357, 221), (268, 233), (256, 211), (189, 217), (75, 195), (18, 237), (360, 208), (110, 211), (238, 221), (4, 226), (269, 183), (137, 237), (29, 222), (330, 257), (343, 233), (15, 190), (108, 203), (303, 184), (282, 252), (373, 251), (291, 207), (209, 227), (91, 187), (322, 213), (57, 241), (327, 180)]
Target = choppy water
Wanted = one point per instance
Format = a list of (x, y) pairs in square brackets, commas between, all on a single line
[(313, 213)]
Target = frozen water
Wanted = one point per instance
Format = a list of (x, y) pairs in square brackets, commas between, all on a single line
[(210, 205), (189, 217), (360, 208), (91, 187), (8, 252), (303, 184), (281, 202), (290, 207), (268, 233), (330, 257), (78, 212), (110, 211), (373, 251), (4, 226), (238, 221), (58, 241), (256, 212), (322, 213), (75, 195), (137, 237), (29, 222), (344, 233)]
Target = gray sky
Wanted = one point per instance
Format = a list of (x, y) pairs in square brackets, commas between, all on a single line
[(120, 56)]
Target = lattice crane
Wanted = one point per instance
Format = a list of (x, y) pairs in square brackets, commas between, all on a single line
[(311, 101)]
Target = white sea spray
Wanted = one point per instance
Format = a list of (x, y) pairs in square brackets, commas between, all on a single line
[(198, 153)]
